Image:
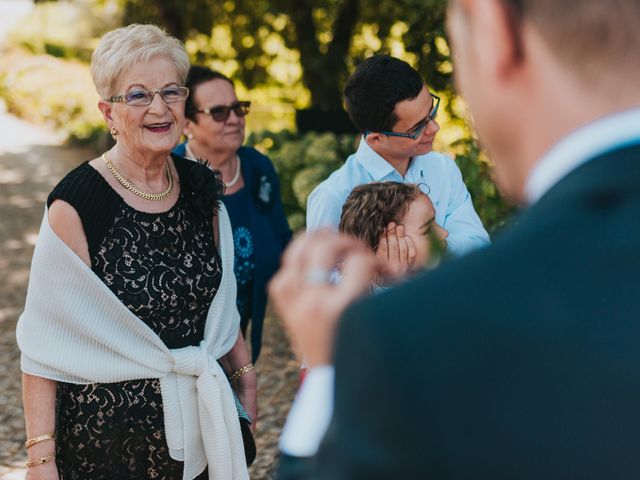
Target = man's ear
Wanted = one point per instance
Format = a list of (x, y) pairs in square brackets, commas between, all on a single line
[(496, 37), (374, 138)]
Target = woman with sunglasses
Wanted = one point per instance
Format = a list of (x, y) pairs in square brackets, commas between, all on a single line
[(130, 316), (214, 127)]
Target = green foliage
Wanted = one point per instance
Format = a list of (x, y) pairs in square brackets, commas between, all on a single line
[(476, 172), (288, 44), (60, 93), (304, 161), (284, 54), (65, 29)]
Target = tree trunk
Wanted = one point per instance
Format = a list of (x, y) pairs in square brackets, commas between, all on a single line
[(324, 74)]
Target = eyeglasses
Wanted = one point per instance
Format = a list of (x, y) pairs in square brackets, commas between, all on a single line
[(417, 131), (221, 112), (141, 98)]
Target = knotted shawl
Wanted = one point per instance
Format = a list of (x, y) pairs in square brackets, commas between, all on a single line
[(74, 329)]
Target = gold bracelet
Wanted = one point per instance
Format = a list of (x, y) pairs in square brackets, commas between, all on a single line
[(240, 372), (40, 438), (40, 461)]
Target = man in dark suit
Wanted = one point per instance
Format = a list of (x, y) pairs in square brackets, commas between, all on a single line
[(521, 361)]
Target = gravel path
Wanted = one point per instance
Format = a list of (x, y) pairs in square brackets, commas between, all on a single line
[(32, 160)]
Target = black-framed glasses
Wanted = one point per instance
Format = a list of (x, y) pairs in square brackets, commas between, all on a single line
[(143, 97), (418, 129), (221, 113)]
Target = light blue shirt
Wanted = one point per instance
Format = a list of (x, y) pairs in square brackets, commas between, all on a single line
[(437, 175)]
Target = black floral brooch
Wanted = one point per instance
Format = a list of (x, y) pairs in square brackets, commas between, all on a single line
[(205, 188)]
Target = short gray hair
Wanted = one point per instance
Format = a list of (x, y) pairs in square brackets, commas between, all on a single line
[(123, 47)]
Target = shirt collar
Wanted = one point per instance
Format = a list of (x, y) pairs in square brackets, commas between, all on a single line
[(585, 143), (372, 162)]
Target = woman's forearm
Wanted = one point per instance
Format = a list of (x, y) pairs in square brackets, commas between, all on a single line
[(39, 401), (237, 358), (246, 384)]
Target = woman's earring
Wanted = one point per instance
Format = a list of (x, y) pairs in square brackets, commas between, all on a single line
[(190, 136), (114, 132)]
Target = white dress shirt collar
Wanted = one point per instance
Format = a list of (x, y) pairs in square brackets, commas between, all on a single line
[(372, 162), (375, 164), (585, 143)]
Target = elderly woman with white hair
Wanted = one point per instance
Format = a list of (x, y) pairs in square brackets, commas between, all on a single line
[(131, 348)]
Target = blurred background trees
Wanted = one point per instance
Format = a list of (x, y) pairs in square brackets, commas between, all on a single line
[(289, 57)]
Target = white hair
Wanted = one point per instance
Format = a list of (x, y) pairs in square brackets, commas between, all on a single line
[(123, 47)]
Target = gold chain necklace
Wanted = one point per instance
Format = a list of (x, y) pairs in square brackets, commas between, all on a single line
[(126, 183)]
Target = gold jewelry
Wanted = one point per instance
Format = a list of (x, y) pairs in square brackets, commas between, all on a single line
[(41, 460), (236, 175), (40, 438), (113, 132), (126, 183), (240, 372)]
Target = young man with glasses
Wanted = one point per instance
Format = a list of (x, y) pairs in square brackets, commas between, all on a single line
[(389, 103)]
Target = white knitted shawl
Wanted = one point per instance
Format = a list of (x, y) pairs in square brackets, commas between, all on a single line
[(74, 329)]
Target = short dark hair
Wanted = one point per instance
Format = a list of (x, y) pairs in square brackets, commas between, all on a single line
[(198, 75), (374, 89), (370, 207)]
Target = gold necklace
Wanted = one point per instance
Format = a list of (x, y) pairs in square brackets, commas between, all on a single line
[(126, 183)]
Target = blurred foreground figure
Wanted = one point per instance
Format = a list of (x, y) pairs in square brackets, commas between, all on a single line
[(519, 361)]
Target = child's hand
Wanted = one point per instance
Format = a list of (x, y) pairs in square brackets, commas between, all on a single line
[(396, 252)]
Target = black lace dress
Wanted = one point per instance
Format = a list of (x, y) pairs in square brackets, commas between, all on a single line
[(165, 268)]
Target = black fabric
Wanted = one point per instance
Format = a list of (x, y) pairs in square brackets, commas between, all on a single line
[(165, 268), (517, 362), (248, 441), (294, 468), (94, 200)]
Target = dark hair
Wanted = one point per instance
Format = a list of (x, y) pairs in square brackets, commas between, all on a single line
[(370, 207), (198, 75), (374, 89)]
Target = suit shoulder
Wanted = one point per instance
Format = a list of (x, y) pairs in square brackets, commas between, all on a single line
[(463, 290)]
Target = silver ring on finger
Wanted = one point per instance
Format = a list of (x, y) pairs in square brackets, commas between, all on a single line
[(317, 276)]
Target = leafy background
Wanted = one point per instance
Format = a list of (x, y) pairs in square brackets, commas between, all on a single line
[(283, 56)]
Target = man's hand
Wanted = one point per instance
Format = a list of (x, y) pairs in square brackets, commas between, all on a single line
[(396, 252), (306, 299)]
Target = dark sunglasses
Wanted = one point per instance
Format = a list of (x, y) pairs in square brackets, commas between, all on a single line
[(417, 131), (221, 112)]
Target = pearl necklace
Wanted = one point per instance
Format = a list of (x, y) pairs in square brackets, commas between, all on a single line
[(126, 183), (236, 175)]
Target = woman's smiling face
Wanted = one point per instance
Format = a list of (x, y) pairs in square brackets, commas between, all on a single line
[(152, 129)]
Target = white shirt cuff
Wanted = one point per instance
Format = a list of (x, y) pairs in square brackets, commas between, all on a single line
[(310, 414)]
